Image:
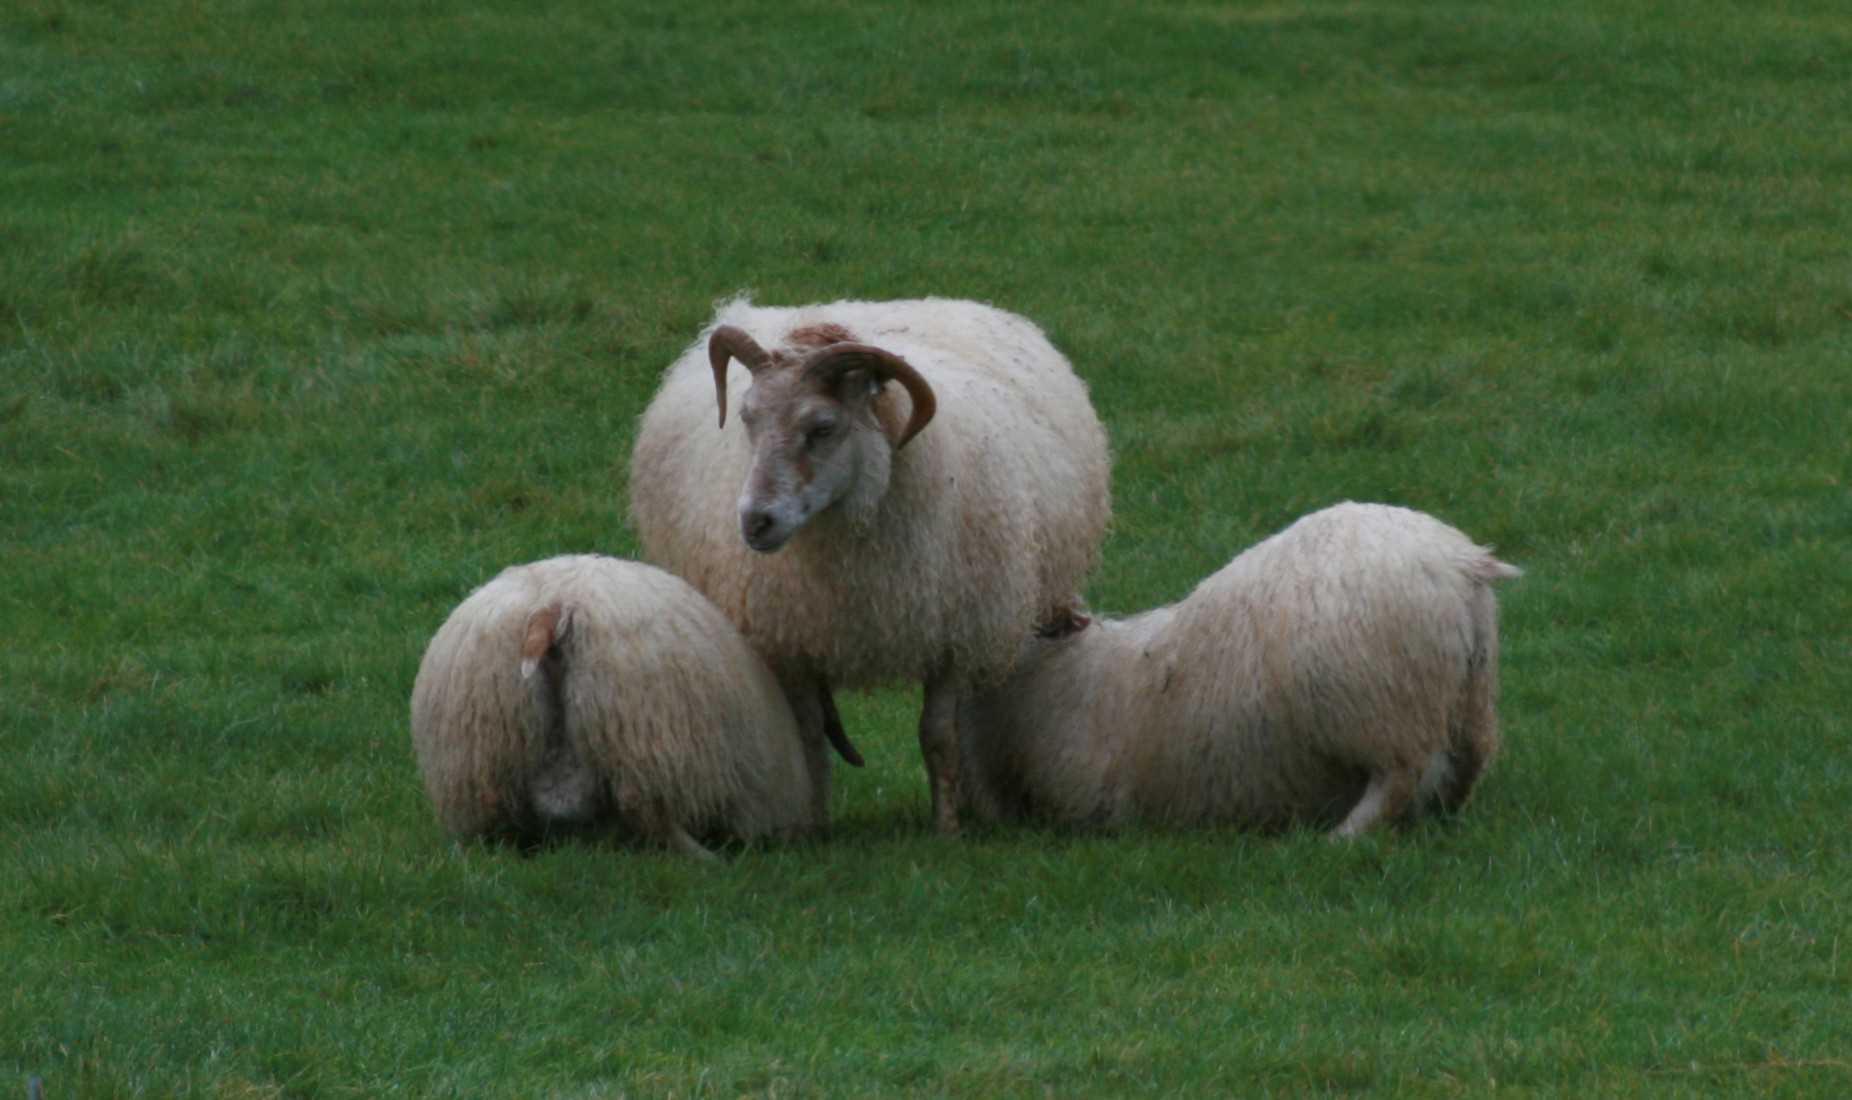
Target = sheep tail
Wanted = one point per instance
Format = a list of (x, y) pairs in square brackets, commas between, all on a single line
[(562, 788), (545, 627), (1485, 568)]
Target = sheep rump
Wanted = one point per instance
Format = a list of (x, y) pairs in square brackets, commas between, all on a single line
[(587, 691), (1342, 672)]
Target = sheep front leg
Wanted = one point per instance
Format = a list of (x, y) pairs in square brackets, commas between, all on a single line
[(811, 705), (939, 746)]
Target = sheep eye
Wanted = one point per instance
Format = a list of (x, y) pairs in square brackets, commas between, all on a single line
[(818, 434)]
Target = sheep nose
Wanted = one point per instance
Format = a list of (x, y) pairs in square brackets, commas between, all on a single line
[(755, 525)]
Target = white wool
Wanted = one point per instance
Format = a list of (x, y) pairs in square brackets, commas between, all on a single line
[(1347, 665), (992, 515), (948, 551), (648, 710)]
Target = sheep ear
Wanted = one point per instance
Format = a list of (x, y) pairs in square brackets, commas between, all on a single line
[(857, 387), (544, 629), (838, 360), (857, 390)]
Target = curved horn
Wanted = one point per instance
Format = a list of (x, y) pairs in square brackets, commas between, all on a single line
[(836, 360), (727, 343)]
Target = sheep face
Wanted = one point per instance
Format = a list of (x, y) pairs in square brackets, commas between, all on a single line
[(816, 433), (811, 447)]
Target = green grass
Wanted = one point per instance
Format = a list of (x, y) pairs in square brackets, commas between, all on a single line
[(312, 319)]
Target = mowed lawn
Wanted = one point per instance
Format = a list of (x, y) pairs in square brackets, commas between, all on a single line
[(314, 316)]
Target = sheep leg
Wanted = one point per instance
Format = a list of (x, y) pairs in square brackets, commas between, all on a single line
[(939, 746), (659, 822), (815, 711), (1386, 799), (1472, 749), (1474, 726), (680, 841)]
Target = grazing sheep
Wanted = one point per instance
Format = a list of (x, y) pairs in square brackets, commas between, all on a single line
[(860, 533), (1344, 671), (585, 690)]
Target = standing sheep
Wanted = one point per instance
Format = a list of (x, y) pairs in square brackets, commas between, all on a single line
[(860, 533), (1344, 671), (585, 690)]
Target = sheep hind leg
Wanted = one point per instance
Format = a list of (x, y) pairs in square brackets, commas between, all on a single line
[(1387, 799), (815, 711), (1474, 727), (675, 836), (652, 821), (939, 746), (1463, 763), (680, 841)]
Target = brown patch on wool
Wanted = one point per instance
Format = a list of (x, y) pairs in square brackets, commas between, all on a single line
[(819, 336), (800, 342)]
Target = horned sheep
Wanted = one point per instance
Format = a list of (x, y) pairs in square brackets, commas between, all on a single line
[(584, 690), (861, 533), (1343, 672)]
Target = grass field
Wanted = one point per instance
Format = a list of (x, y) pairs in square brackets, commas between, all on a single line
[(313, 316)]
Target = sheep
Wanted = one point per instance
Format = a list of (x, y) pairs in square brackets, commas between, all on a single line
[(584, 690), (861, 534), (1343, 671)]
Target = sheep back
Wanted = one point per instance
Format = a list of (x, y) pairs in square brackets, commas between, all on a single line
[(679, 722), (1361, 638), (992, 515)]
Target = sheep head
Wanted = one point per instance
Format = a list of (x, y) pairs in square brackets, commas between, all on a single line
[(811, 419)]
